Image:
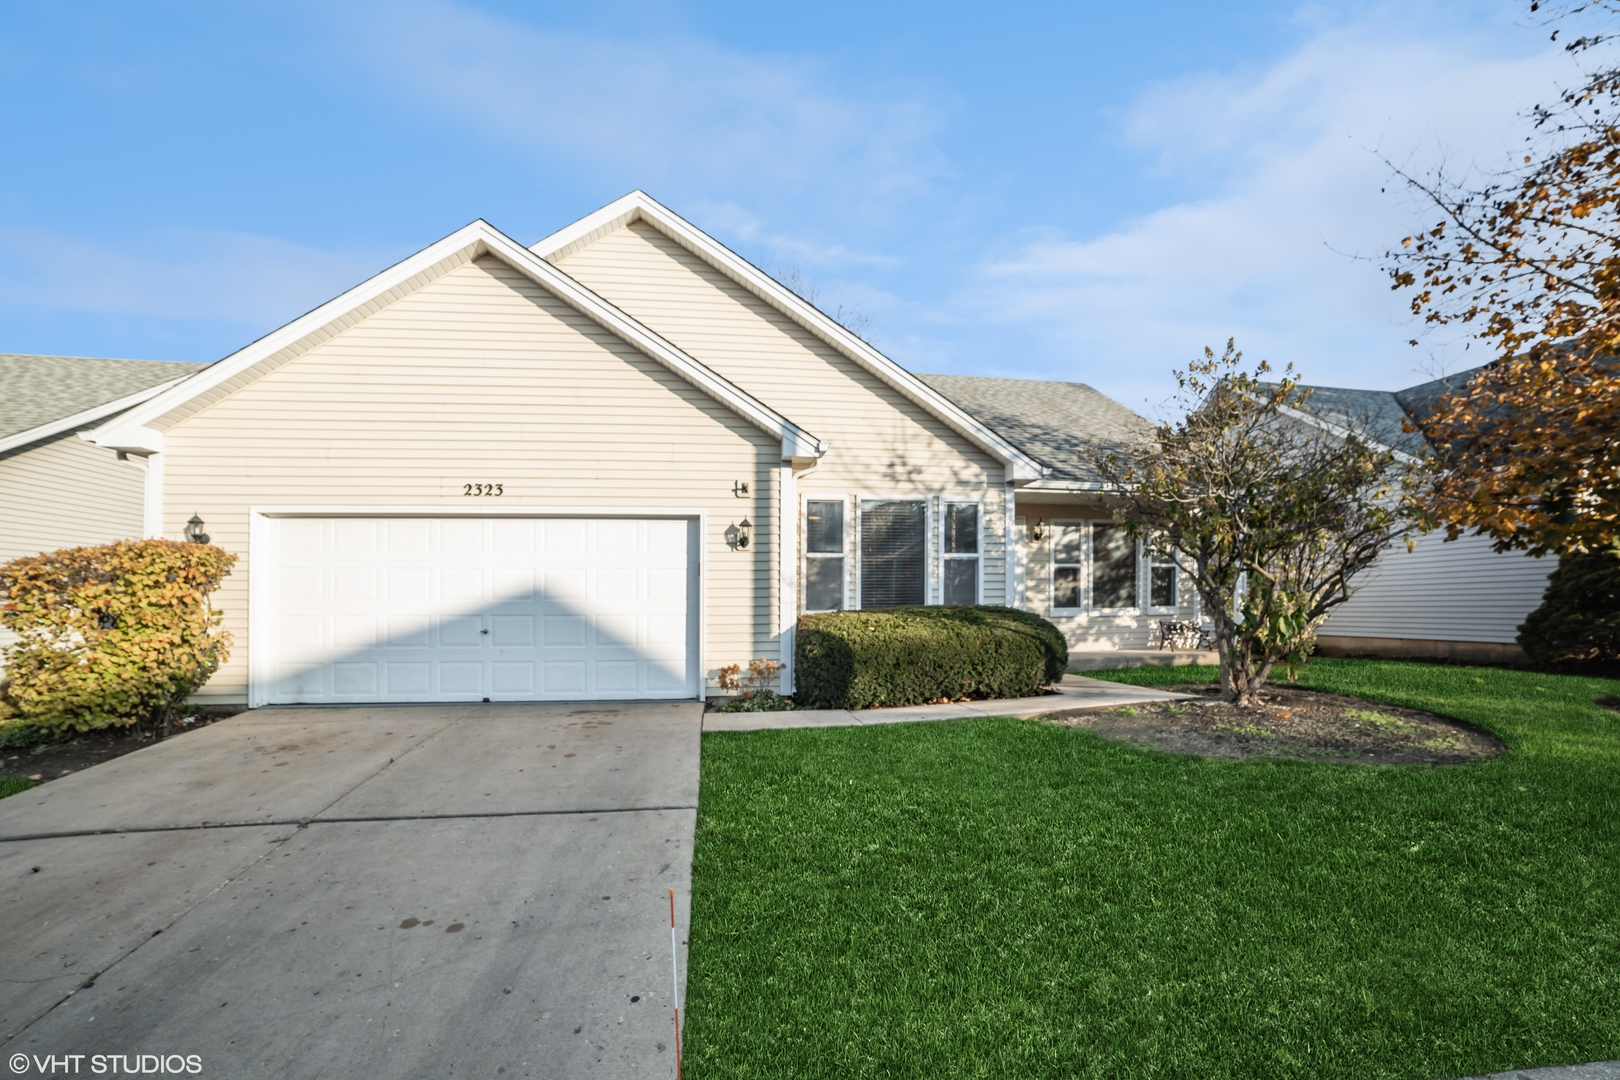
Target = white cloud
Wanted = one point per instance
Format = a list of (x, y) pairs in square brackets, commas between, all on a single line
[(257, 282), (675, 111), (1287, 160)]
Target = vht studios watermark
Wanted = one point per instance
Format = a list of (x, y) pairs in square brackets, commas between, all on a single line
[(111, 1064)]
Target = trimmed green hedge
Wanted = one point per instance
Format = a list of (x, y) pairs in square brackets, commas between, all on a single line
[(912, 656)]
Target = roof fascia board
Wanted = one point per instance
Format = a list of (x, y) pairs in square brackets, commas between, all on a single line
[(86, 416), (133, 430), (639, 206), (1339, 431), (1077, 486)]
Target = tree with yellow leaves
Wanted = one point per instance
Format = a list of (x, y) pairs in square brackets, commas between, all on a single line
[(1526, 449)]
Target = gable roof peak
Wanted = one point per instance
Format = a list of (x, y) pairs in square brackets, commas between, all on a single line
[(639, 206), (131, 431)]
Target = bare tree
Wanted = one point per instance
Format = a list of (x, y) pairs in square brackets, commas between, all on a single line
[(856, 320), (1271, 516)]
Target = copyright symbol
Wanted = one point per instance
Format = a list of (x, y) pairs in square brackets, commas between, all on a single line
[(19, 1063)]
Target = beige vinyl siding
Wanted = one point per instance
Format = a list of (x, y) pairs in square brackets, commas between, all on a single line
[(1458, 591), (1086, 632), (481, 376), (63, 492), (882, 443)]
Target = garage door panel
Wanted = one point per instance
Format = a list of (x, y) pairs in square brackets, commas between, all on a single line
[(511, 631), (461, 632), (563, 678), (514, 583), (565, 584), (462, 583), (406, 535), (427, 609), (355, 679), (564, 631)]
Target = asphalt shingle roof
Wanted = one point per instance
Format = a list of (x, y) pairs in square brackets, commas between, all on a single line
[(1049, 421), (1381, 412), (35, 390)]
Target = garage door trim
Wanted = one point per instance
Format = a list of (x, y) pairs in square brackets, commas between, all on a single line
[(262, 554)]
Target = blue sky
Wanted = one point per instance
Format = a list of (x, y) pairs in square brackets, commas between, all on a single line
[(1089, 191)]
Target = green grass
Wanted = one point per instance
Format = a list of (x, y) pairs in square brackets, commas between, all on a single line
[(10, 785), (1006, 898)]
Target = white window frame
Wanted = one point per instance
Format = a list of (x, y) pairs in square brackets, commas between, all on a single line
[(1150, 562), (930, 545), (977, 555), (1084, 566), (1090, 574), (805, 554)]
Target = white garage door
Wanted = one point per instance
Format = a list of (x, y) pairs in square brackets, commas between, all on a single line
[(481, 609)]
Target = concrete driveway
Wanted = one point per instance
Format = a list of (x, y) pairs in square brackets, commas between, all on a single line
[(384, 892)]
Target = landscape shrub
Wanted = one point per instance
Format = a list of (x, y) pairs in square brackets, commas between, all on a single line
[(753, 688), (113, 635), (1579, 617), (913, 656)]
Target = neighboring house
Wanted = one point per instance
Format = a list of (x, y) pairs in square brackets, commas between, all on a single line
[(1459, 600), (56, 489), (1073, 563)]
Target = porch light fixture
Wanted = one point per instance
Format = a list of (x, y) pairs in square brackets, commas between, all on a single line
[(1037, 531), (194, 530), (737, 535)]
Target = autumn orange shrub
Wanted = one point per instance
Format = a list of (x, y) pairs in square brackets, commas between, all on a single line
[(113, 635)]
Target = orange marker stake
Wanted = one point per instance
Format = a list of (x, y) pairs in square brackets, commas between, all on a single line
[(675, 983)]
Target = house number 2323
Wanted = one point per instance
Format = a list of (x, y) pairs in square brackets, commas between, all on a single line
[(483, 489)]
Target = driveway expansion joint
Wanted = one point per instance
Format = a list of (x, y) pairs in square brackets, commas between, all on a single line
[(304, 823)]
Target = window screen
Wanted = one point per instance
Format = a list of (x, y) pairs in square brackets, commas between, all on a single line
[(961, 568), (824, 556), (1162, 582), (894, 554), (1113, 566), (1068, 548)]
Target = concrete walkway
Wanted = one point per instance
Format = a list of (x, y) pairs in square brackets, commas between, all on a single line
[(1597, 1070), (1075, 692), (381, 891)]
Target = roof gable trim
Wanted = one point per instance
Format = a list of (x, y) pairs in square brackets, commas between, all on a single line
[(133, 431)]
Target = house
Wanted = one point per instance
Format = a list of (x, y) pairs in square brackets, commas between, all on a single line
[(1073, 563), (603, 466), (1457, 600), (56, 489)]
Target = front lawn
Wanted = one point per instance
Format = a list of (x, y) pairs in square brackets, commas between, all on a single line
[(1005, 898), (11, 785)]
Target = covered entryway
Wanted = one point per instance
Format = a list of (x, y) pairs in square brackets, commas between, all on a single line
[(508, 608)]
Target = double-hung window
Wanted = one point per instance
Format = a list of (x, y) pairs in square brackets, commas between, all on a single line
[(960, 584), (1163, 594), (894, 553), (1113, 567), (1068, 558), (824, 555)]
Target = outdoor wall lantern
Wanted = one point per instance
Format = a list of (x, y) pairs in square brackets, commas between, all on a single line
[(1037, 531), (737, 535), (194, 530)]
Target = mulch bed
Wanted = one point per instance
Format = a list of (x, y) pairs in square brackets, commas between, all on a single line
[(1290, 723), (47, 761)]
